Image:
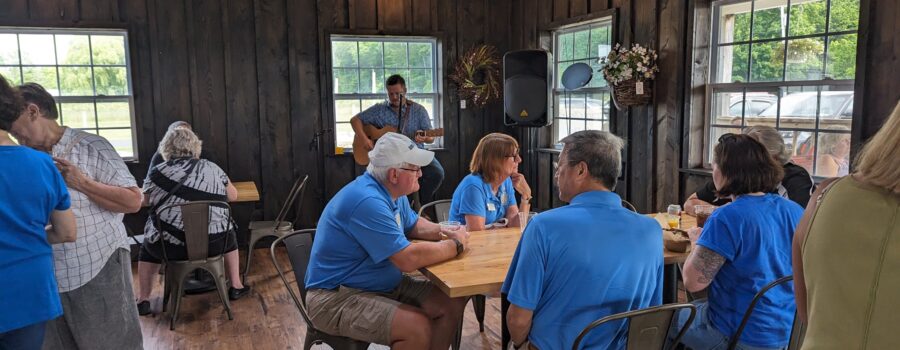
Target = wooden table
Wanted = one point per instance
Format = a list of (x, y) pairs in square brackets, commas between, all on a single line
[(247, 191)]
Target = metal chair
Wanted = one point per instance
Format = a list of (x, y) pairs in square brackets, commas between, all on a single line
[(441, 209), (277, 228), (628, 206), (647, 328), (195, 217), (798, 329), (299, 247)]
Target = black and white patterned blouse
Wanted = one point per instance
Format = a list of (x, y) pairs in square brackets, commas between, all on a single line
[(206, 182)]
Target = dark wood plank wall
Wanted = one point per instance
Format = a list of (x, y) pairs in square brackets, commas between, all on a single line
[(249, 75)]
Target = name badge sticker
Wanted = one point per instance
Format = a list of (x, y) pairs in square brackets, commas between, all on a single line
[(491, 207), (399, 222), (503, 198)]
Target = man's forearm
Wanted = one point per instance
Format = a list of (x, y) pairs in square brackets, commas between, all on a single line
[(421, 254), (112, 198), (357, 126), (425, 230), (519, 321)]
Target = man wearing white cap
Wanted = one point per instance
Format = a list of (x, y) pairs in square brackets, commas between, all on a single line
[(355, 281)]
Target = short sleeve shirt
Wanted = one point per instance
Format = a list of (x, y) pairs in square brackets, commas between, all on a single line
[(754, 235), (381, 115), (584, 261), (100, 231), (30, 189), (360, 229), (474, 196)]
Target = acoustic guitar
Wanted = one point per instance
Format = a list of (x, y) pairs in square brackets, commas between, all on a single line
[(361, 154)]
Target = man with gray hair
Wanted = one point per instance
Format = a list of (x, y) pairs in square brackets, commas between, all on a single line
[(355, 281), (584, 261)]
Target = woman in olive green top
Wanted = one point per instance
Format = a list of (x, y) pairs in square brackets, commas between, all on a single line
[(847, 253)]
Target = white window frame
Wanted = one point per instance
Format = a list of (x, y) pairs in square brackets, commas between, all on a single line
[(435, 115), (94, 98)]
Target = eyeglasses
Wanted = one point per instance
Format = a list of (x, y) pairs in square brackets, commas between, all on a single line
[(727, 137), (419, 170)]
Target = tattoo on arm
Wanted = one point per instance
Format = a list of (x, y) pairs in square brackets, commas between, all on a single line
[(708, 263)]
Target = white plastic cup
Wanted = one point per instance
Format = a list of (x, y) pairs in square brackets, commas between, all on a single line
[(524, 216), (450, 226)]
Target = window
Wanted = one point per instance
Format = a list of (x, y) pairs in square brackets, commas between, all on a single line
[(789, 64), (588, 107), (86, 71), (360, 66)]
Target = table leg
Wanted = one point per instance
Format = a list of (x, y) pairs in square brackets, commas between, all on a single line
[(670, 284), (505, 338)]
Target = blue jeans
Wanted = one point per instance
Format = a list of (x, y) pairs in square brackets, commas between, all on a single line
[(432, 176), (30, 337), (702, 335)]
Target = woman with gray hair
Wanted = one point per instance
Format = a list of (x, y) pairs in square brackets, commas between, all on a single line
[(200, 179), (796, 185)]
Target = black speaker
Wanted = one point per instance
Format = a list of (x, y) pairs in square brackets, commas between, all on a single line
[(527, 88)]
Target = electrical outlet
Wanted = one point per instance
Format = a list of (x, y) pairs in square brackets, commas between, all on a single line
[(462, 104)]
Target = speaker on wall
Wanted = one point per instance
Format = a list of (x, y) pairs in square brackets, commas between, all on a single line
[(527, 88)]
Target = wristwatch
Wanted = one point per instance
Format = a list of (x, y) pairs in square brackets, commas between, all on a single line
[(459, 246)]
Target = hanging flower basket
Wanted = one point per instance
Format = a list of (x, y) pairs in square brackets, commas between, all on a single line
[(630, 72), (477, 75)]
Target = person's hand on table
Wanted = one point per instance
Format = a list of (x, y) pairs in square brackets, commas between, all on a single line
[(459, 234)]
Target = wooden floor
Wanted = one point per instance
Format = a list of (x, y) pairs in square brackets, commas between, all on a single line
[(265, 319)]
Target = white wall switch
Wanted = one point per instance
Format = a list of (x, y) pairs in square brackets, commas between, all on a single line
[(462, 104)]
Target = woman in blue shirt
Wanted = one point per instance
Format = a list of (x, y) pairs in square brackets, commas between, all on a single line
[(486, 197), (33, 195), (743, 246)]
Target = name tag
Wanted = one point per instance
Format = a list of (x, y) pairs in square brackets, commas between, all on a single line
[(503, 199), (491, 207), (399, 222)]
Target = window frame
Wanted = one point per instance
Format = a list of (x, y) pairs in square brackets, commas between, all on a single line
[(822, 85), (95, 98), (437, 96)]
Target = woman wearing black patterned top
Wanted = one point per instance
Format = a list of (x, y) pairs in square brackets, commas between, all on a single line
[(180, 150)]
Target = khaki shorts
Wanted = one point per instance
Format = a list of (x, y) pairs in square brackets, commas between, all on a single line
[(362, 315)]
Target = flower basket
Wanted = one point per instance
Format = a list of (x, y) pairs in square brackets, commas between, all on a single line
[(625, 94)]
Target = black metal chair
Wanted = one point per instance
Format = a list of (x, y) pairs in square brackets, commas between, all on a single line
[(299, 247), (441, 209), (280, 227), (647, 328), (797, 330), (628, 206)]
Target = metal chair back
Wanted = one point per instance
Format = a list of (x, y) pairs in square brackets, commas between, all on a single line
[(797, 330), (647, 328), (441, 209), (628, 206), (195, 218), (296, 189)]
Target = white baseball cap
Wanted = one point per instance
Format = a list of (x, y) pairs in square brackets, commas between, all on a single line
[(393, 148)]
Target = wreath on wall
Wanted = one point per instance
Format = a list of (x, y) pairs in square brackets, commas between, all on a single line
[(477, 75)]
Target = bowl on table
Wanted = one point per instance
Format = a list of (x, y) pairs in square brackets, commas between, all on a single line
[(675, 242)]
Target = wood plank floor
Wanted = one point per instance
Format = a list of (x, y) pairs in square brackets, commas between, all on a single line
[(265, 319)]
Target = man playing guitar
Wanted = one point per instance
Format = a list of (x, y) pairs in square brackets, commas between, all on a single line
[(409, 118)]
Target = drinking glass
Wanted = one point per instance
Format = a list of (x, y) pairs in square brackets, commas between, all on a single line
[(450, 226), (674, 215), (703, 212), (524, 217)]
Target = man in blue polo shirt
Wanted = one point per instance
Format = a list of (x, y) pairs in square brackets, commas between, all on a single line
[(414, 118), (355, 280), (584, 261)]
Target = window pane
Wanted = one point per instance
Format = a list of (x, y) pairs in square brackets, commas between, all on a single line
[(597, 79), (566, 47), (391, 71), (345, 109), (121, 140), (833, 154), (734, 23), (727, 108), (841, 57), (732, 64), (343, 54), (598, 106), (807, 17), (796, 108), (801, 145), (804, 59), (420, 80), (9, 49), (844, 15), (395, 55), (767, 62), (600, 42), (46, 76), (77, 115), (370, 54), (769, 19), (421, 55), (346, 81), (76, 81), (73, 49), (37, 49), (371, 80), (111, 81), (108, 49), (343, 135), (113, 114), (714, 134), (429, 106), (12, 75), (562, 129), (582, 45)]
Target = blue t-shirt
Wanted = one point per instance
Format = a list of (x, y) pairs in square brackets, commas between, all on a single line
[(581, 262), (381, 114), (360, 228), (474, 196), (754, 235), (30, 189)]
